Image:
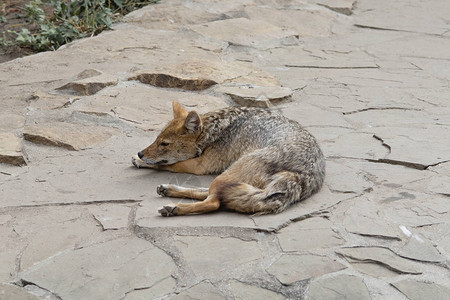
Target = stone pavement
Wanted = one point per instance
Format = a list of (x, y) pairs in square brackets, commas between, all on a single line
[(370, 79)]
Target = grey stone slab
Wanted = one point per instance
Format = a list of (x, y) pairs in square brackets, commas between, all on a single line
[(344, 178), (200, 74), (291, 268), (420, 248), (46, 101), (9, 292), (365, 218), (341, 6), (319, 202), (372, 269), (412, 18), (117, 266), (382, 256), (200, 291), (338, 287), (242, 291), (159, 289), (68, 135), (416, 290), (219, 255), (111, 216), (11, 149), (309, 234)]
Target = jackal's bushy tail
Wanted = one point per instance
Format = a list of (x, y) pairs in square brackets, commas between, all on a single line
[(284, 189)]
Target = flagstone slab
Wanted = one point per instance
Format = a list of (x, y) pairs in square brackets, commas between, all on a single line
[(243, 32), (338, 287), (68, 135), (380, 255), (257, 96), (117, 266), (290, 268), (308, 234), (11, 149), (219, 255), (199, 291), (242, 291)]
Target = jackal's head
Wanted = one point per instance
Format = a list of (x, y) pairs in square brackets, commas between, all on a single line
[(177, 141)]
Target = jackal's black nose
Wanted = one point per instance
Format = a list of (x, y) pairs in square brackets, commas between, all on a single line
[(140, 154)]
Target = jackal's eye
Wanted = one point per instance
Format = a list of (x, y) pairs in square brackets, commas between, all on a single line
[(164, 144)]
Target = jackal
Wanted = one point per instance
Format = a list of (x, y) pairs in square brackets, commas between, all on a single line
[(266, 161)]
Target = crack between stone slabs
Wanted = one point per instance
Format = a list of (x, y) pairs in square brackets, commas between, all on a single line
[(22, 283), (396, 30), (379, 108), (330, 67), (383, 143), (144, 288), (120, 201), (18, 262)]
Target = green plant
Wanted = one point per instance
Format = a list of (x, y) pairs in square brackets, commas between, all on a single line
[(68, 20)]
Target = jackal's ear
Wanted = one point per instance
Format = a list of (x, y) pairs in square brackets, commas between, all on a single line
[(193, 123), (178, 110)]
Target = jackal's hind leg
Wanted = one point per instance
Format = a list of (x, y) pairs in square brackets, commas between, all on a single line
[(171, 190), (211, 203)]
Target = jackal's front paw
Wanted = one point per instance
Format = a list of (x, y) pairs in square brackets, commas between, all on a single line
[(168, 210), (163, 190), (137, 162)]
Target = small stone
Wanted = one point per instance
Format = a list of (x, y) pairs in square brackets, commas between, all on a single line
[(340, 287), (242, 291), (418, 290), (43, 100), (171, 81), (90, 85), (88, 73), (11, 149), (382, 256), (68, 135), (200, 291), (291, 268), (258, 96)]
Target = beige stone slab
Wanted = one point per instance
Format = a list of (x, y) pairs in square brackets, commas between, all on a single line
[(11, 149), (159, 289), (46, 101), (9, 121), (345, 7), (68, 135), (291, 268), (242, 31), (257, 96), (111, 217), (90, 85), (314, 21)]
